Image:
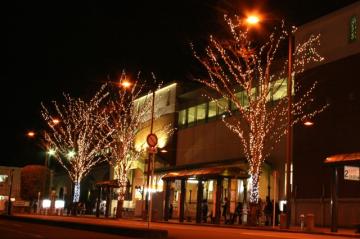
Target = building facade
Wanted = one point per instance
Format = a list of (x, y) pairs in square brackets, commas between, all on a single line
[(336, 130), (202, 160), (9, 181)]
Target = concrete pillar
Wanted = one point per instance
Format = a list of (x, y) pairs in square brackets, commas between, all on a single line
[(199, 200), (334, 200), (108, 201), (219, 187), (167, 200), (98, 201), (182, 200)]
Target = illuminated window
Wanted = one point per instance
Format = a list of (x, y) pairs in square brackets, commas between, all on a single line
[(3, 178), (182, 117), (279, 89), (212, 109), (353, 29), (200, 112), (223, 105), (191, 115), (239, 96)]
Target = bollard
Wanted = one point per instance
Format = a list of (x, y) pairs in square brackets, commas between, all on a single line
[(302, 221)]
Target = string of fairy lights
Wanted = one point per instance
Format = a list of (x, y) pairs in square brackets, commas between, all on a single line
[(127, 118), (238, 64), (80, 136)]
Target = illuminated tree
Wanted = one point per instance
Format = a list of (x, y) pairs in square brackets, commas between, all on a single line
[(130, 112), (80, 138), (126, 118), (248, 74)]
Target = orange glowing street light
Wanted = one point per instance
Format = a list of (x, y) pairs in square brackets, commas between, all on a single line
[(308, 123), (252, 19), (125, 83), (30, 134), (55, 121)]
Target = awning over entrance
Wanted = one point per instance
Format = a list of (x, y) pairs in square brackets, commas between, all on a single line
[(351, 158), (336, 162), (212, 172), (109, 183)]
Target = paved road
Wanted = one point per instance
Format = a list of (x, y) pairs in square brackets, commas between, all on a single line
[(14, 229), (198, 232), (22, 230)]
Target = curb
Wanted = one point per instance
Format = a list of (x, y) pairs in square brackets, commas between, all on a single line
[(109, 229)]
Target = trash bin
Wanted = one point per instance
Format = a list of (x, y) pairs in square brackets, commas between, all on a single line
[(283, 217), (309, 222)]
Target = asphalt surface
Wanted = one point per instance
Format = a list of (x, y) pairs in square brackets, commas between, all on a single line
[(22, 230), (15, 229), (208, 232)]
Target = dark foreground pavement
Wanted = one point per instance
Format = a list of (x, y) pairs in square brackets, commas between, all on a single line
[(186, 231), (10, 229), (128, 231)]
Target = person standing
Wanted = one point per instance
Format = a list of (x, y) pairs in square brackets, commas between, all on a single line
[(268, 211), (171, 209), (238, 213), (225, 209), (204, 210)]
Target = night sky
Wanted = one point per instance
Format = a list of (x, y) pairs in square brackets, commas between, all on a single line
[(61, 46)]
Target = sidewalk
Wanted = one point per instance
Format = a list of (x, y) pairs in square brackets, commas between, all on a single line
[(343, 232), (139, 226)]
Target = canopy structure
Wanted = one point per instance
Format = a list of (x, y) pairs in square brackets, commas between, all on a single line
[(351, 158), (339, 161), (109, 183), (211, 172)]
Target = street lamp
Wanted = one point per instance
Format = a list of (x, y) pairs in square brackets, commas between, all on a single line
[(252, 19), (30, 134), (10, 191), (289, 132)]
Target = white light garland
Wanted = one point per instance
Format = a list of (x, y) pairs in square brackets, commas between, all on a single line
[(80, 136), (237, 64)]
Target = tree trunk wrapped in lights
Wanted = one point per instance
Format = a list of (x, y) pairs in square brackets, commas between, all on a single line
[(80, 137), (248, 74)]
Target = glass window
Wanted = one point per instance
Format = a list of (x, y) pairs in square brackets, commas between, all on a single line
[(200, 112), (191, 115), (212, 109), (3, 178), (223, 105), (353, 29), (279, 89), (239, 96), (182, 118)]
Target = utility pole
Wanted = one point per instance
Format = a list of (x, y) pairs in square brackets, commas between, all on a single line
[(289, 133), (152, 142), (10, 191)]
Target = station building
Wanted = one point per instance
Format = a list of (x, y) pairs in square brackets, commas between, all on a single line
[(202, 159)]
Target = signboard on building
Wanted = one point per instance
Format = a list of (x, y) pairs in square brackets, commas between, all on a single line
[(21, 203), (352, 173)]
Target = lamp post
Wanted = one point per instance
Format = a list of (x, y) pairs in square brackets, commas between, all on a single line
[(152, 142), (252, 20), (10, 191), (289, 132)]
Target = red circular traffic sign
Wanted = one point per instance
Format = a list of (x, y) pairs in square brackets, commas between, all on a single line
[(152, 140)]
